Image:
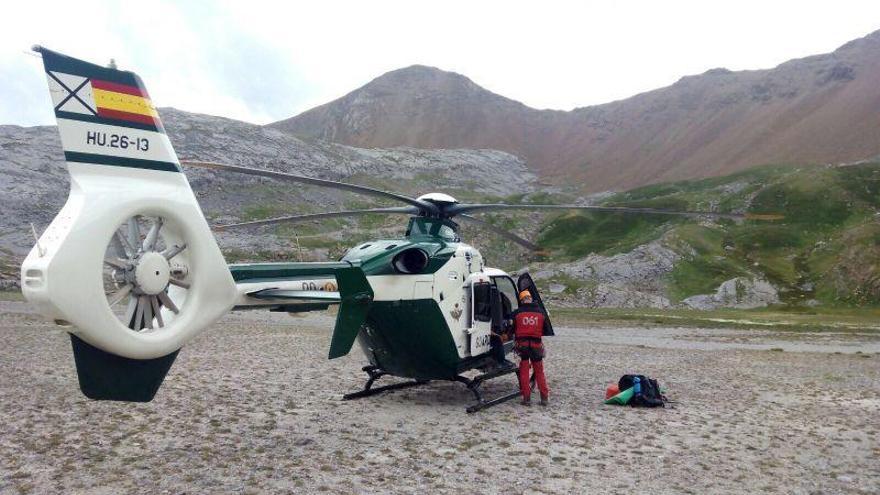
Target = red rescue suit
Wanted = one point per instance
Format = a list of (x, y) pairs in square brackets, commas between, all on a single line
[(528, 327)]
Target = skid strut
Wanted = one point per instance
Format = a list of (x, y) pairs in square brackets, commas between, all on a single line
[(473, 384), (376, 373)]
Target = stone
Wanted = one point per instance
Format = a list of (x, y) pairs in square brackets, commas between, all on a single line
[(739, 292)]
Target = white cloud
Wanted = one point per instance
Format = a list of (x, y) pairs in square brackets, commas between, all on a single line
[(261, 61)]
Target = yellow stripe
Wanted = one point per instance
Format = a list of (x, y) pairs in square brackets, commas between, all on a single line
[(123, 102)]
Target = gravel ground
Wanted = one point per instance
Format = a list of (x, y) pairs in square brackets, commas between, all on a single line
[(254, 407)]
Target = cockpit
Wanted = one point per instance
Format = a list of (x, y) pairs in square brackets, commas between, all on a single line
[(445, 229)]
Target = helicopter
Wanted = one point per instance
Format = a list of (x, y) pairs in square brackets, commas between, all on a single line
[(130, 268)]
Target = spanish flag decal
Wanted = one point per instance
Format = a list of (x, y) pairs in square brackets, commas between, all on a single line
[(90, 93), (105, 116), (122, 102)]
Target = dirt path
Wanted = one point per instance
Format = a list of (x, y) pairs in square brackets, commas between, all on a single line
[(254, 406)]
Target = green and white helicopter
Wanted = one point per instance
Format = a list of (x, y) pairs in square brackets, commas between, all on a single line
[(131, 269)]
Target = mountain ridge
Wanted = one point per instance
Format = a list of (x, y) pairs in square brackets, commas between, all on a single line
[(818, 109)]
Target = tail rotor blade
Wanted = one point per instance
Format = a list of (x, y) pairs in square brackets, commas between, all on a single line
[(168, 303), (119, 295), (173, 251), (148, 312), (139, 314), (115, 263), (118, 247), (157, 310), (134, 233), (153, 235), (130, 312), (130, 251)]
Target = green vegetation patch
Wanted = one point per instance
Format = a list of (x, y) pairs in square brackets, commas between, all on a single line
[(577, 235)]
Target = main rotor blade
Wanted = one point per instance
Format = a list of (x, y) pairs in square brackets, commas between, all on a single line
[(498, 230), (424, 205), (403, 210), (465, 208)]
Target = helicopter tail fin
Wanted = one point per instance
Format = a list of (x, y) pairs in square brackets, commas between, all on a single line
[(129, 264), (356, 296)]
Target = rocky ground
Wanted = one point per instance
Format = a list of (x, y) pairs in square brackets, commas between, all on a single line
[(254, 407), (639, 279)]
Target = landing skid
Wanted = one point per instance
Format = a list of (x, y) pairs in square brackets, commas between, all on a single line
[(473, 384), (376, 373)]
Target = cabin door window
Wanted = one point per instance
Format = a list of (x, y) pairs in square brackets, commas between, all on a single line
[(480, 317)]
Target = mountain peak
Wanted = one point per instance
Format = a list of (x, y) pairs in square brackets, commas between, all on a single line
[(818, 109), (421, 78)]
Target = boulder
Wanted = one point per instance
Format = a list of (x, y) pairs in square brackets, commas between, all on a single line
[(739, 292)]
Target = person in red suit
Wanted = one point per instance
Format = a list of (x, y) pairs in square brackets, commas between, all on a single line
[(528, 328)]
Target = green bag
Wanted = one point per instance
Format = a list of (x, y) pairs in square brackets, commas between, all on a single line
[(622, 398)]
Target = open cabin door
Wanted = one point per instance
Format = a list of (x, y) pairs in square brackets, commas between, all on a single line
[(480, 292), (525, 282)]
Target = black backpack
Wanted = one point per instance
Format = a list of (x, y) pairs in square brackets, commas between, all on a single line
[(650, 396)]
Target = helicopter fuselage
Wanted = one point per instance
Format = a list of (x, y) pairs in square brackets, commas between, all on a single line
[(427, 324)]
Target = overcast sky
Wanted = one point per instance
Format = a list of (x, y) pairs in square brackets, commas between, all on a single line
[(264, 61)]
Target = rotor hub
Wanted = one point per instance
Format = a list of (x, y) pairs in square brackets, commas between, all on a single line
[(438, 198), (152, 273)]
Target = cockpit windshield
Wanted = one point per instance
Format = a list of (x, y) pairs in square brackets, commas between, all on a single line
[(434, 227)]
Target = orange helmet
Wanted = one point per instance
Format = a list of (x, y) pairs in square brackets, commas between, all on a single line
[(524, 294)]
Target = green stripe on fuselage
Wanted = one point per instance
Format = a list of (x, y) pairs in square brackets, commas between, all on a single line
[(262, 272)]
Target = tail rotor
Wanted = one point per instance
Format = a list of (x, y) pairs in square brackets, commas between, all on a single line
[(145, 274), (129, 264)]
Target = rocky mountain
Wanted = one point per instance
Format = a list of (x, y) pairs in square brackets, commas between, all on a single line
[(814, 110), (34, 183), (825, 250)]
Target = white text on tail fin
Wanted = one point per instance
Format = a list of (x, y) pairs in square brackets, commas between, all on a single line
[(105, 116)]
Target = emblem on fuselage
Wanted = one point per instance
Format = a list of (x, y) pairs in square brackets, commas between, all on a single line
[(456, 312)]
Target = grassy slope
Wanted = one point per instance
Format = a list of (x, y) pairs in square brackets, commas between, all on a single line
[(826, 248)]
